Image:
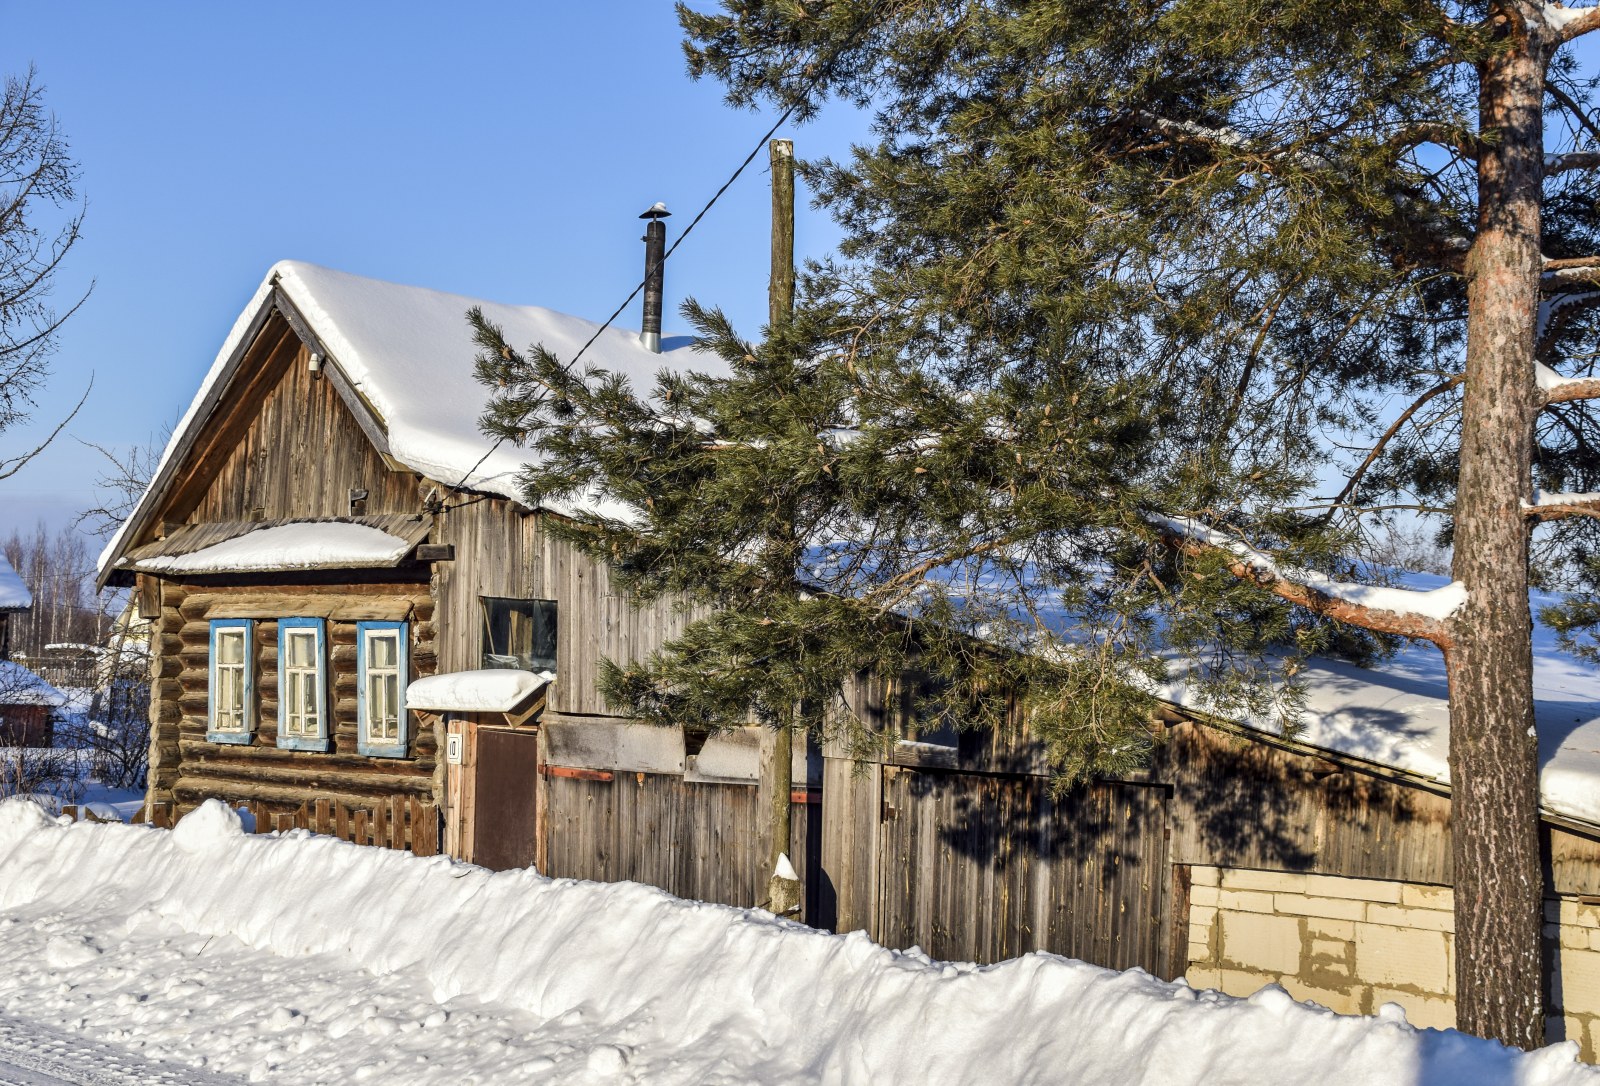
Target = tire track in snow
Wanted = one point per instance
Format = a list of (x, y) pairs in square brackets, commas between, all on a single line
[(35, 1055)]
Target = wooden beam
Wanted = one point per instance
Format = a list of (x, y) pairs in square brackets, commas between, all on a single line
[(360, 408)]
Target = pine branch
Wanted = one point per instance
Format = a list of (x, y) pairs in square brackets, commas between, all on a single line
[(1556, 506), (1571, 160), (1388, 435), (1570, 23), (1559, 389), (1397, 611)]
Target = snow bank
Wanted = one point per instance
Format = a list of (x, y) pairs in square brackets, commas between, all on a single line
[(495, 690), (304, 545), (625, 983)]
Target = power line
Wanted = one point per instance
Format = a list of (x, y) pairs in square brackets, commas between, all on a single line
[(567, 367), (816, 79)]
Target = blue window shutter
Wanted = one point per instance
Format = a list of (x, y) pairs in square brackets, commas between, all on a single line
[(321, 741), (365, 743), (245, 735)]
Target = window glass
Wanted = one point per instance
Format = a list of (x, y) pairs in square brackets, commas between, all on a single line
[(230, 646), (519, 633), (302, 685)]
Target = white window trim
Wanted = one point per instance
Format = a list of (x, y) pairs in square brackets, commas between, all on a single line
[(287, 627), (382, 746)]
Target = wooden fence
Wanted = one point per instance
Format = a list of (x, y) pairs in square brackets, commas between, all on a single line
[(403, 822)]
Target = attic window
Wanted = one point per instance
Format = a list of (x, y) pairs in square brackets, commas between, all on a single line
[(519, 633)]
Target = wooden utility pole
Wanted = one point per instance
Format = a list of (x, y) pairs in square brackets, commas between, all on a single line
[(783, 888)]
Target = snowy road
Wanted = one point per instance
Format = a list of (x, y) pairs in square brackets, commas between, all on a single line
[(31, 1055)]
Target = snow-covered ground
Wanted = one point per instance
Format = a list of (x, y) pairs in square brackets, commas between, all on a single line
[(300, 959)]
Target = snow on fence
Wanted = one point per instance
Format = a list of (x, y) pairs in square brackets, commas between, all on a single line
[(402, 822)]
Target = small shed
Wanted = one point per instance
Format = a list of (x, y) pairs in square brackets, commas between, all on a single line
[(27, 707)]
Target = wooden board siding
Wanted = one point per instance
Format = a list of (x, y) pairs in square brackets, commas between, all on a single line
[(693, 840), (187, 769), (26, 726), (503, 551), (288, 448), (1243, 803), (499, 551), (975, 867)]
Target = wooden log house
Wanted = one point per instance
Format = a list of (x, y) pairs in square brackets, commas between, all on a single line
[(328, 529)]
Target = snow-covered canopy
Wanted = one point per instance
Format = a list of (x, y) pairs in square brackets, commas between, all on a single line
[(1397, 714), (303, 545), (19, 686), (408, 354), (14, 595), (494, 690)]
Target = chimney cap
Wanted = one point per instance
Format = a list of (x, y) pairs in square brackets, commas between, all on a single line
[(658, 210)]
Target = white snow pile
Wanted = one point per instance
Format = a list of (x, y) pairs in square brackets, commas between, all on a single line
[(14, 595), (493, 690), (302, 545), (302, 959)]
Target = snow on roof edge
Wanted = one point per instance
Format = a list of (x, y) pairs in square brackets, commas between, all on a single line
[(489, 690), (14, 594), (450, 453)]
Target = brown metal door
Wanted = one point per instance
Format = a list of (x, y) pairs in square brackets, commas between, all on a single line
[(505, 799)]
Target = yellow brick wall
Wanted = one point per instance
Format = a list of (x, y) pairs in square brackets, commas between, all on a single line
[(1354, 944)]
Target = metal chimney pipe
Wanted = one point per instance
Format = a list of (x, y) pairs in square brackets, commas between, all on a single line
[(655, 254)]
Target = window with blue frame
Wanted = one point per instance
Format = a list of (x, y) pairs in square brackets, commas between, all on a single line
[(231, 709), (302, 684), (382, 663)]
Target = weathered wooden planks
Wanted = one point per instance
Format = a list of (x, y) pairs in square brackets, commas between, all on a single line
[(693, 840)]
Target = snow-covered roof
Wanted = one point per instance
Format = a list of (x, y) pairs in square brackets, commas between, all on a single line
[(14, 595), (493, 690), (301, 545), (407, 352), (1397, 714), (19, 686)]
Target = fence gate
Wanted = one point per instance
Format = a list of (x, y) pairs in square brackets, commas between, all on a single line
[(974, 867), (505, 799)]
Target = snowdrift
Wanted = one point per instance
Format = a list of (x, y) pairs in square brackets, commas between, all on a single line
[(693, 992)]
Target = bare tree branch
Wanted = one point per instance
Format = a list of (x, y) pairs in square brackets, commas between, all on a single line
[(9, 467), (1388, 435), (1560, 506)]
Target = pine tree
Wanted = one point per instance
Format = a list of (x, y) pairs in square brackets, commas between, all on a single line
[(1122, 287)]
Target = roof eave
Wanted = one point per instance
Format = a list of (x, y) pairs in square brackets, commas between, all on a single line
[(272, 300)]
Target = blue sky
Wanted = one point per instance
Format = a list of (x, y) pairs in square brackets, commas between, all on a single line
[(500, 150)]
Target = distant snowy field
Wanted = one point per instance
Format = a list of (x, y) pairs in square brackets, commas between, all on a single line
[(300, 959)]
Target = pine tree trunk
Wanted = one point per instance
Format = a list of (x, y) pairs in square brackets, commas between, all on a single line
[(1493, 750)]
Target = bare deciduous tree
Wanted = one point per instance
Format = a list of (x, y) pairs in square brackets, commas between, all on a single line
[(40, 220)]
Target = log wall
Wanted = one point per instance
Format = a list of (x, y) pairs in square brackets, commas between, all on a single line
[(187, 769)]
